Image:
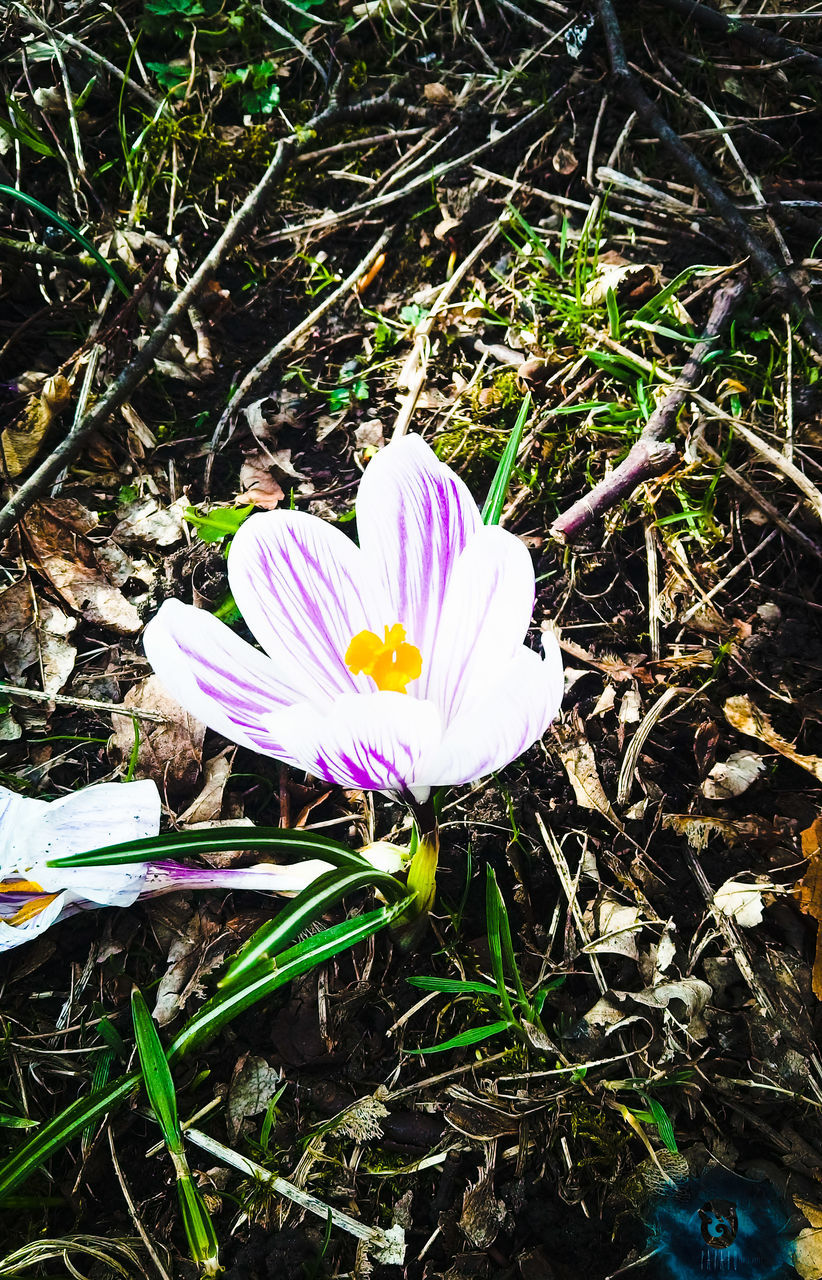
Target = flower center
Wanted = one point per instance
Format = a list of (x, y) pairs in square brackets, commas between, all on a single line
[(390, 663)]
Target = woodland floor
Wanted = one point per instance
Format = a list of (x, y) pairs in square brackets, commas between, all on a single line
[(689, 613)]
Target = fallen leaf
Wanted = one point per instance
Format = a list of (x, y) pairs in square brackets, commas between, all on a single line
[(253, 1085), (698, 830), (22, 442), (147, 523), (742, 901), (807, 1253), (55, 531), (617, 924), (258, 484), (745, 717), (810, 893), (734, 776), (171, 752), (34, 632), (198, 945), (693, 992), (577, 756), (207, 806)]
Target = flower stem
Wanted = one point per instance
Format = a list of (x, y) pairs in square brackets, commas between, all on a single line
[(422, 874)]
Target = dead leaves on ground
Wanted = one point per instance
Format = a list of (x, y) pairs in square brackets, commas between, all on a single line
[(86, 575), (810, 893), (172, 752)]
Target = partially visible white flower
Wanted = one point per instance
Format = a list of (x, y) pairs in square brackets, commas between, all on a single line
[(34, 896)]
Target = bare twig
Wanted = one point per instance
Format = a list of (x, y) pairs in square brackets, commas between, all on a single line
[(136, 370), (776, 47), (766, 264), (347, 285), (651, 455), (87, 704), (27, 251)]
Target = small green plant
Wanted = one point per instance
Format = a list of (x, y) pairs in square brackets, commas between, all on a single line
[(199, 1229), (516, 1011), (219, 523), (259, 94)]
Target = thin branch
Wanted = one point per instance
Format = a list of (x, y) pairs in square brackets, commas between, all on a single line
[(776, 47), (650, 456), (137, 369), (766, 264)]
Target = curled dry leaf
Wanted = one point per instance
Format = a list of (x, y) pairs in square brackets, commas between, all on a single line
[(34, 632), (745, 717), (149, 524), (577, 756), (617, 924), (207, 806), (734, 776), (258, 483), (22, 442), (693, 992), (171, 753), (55, 532)]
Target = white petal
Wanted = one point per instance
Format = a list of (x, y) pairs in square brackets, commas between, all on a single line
[(371, 741), (216, 676), (495, 728), (484, 621), (301, 587), (414, 518), (13, 935)]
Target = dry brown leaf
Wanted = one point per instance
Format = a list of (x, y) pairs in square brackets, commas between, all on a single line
[(21, 443), (207, 806), (745, 717), (810, 893), (807, 1247), (56, 535), (34, 631), (732, 777), (253, 1085), (147, 523), (578, 758), (171, 753), (258, 482)]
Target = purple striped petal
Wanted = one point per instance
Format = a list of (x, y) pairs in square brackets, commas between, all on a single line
[(217, 677), (499, 724), (485, 618), (414, 518), (301, 587), (371, 741)]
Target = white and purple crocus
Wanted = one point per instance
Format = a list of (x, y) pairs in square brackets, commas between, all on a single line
[(398, 665), (34, 895)]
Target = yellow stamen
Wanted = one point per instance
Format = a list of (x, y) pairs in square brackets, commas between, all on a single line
[(391, 663), (31, 908)]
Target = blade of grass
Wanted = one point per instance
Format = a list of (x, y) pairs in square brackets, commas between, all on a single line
[(493, 900), (225, 1006), (498, 492), (174, 844), (309, 905), (69, 230), (474, 1036)]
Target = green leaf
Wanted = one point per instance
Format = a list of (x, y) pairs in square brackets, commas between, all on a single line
[(453, 986), (157, 1077), (308, 906), (221, 522), (497, 494), (474, 1036), (26, 138), (493, 908), (663, 1124), (54, 1136), (199, 1229), (613, 313), (172, 844), (16, 1122), (222, 1008)]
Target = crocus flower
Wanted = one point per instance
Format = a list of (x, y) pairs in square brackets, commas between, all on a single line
[(398, 665), (34, 895)]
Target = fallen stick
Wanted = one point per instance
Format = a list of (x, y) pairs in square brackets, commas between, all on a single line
[(651, 455), (776, 47), (137, 369), (770, 271)]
